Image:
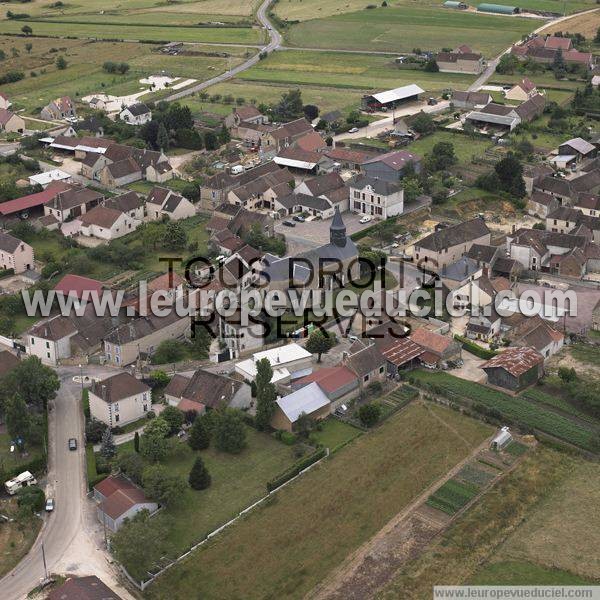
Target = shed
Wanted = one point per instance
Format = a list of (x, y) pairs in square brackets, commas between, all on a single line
[(391, 98), (310, 400), (515, 368), (453, 4), (499, 9)]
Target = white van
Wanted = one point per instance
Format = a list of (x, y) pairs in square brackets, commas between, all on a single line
[(22, 480), (237, 169)]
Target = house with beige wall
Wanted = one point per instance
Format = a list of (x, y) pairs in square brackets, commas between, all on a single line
[(15, 254), (119, 400), (448, 244), (162, 202), (310, 400), (461, 60), (126, 343), (107, 223), (10, 122)]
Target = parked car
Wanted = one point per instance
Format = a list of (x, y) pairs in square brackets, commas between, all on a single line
[(432, 101), (365, 219), (353, 130), (289, 223), (299, 218), (49, 504), (72, 444)]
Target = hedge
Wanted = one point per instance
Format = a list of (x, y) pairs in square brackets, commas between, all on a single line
[(474, 348), (299, 466)]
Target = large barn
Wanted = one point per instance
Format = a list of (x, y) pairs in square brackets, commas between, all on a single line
[(515, 368), (392, 98)]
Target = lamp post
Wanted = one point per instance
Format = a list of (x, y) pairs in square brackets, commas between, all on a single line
[(81, 377)]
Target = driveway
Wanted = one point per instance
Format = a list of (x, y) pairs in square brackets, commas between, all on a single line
[(471, 369), (316, 233)]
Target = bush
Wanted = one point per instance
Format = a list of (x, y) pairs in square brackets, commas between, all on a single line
[(474, 348), (288, 438), (31, 499), (199, 478), (369, 413)]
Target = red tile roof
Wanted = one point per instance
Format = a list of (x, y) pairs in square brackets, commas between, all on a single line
[(185, 405), (120, 495), (113, 483), (330, 379), (33, 200), (434, 342), (75, 285)]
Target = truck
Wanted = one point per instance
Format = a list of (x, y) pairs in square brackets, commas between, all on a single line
[(22, 480)]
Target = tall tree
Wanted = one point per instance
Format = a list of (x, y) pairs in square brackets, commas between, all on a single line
[(162, 485), (33, 381), (174, 417), (199, 438), (319, 343), (230, 431), (199, 478), (132, 465), (136, 442), (154, 445), (289, 106), (17, 417), (266, 394), (162, 138), (510, 174), (107, 447)]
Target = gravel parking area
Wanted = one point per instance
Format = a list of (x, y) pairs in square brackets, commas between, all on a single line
[(316, 233)]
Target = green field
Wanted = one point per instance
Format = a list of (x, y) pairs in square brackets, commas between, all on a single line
[(353, 71), (512, 572), (84, 74), (517, 409), (150, 33), (289, 545), (303, 10), (404, 28), (452, 496)]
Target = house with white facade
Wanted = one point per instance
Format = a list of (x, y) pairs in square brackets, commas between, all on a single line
[(376, 197), (15, 254), (136, 114), (107, 223), (163, 202)]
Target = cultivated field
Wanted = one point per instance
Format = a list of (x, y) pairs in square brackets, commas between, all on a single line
[(304, 10), (587, 25), (341, 70), (474, 551), (84, 74), (402, 29), (286, 547)]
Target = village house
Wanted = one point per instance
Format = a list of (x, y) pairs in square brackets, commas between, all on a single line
[(514, 369), (263, 191), (203, 390), (588, 204), (139, 338), (533, 174), (136, 114), (117, 499), (460, 273), (61, 108), (484, 325), (303, 203), (366, 361), (107, 223), (242, 116), (288, 133), (165, 203), (392, 165), (289, 362), (536, 333), (81, 289), (437, 348), (309, 400), (460, 60), (579, 148), (4, 101), (347, 158), (119, 400), (120, 173), (541, 204), (470, 100), (329, 186), (339, 384), (544, 49), (448, 244), (10, 122), (522, 91), (72, 203), (130, 203), (566, 191), (15, 255), (376, 197), (504, 117)]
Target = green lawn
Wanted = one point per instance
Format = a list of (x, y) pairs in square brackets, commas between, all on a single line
[(334, 433), (512, 572), (586, 354), (400, 29), (237, 481), (465, 147), (355, 71), (284, 548)]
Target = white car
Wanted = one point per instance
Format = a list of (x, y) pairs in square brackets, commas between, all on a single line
[(49, 505), (353, 130), (365, 219)]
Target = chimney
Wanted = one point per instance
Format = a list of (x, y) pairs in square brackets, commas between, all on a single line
[(485, 272)]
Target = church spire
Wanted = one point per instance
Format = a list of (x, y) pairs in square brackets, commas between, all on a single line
[(337, 230)]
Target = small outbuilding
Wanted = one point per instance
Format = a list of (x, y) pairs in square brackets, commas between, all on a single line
[(310, 400), (392, 98), (456, 5), (502, 439), (515, 368), (499, 9)]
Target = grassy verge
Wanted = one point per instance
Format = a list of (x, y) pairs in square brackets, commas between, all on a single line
[(310, 526)]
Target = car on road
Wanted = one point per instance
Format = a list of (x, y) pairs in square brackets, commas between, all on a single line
[(353, 130), (72, 444), (289, 223), (299, 218), (365, 219), (49, 504)]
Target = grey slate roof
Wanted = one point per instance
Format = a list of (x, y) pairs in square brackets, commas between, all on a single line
[(452, 236), (385, 188)]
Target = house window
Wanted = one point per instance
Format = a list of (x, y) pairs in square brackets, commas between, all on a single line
[(32, 341), (47, 344), (48, 354), (145, 408), (366, 378), (381, 369), (117, 418), (116, 407)]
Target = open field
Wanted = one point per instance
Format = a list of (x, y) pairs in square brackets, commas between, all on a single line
[(324, 97), (304, 10), (84, 74), (309, 527), (587, 25), (43, 8), (357, 71), (516, 408), (405, 28), (237, 481), (150, 33), (466, 553)]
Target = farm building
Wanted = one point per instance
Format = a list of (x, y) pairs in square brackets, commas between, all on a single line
[(310, 400), (499, 9), (502, 439), (392, 98), (515, 368), (453, 4)]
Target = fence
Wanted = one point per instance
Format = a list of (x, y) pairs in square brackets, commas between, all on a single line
[(142, 585)]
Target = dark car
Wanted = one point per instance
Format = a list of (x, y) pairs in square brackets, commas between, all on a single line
[(289, 223), (299, 218), (72, 444)]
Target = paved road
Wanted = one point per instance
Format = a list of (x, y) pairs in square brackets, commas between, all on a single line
[(274, 43), (68, 533)]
